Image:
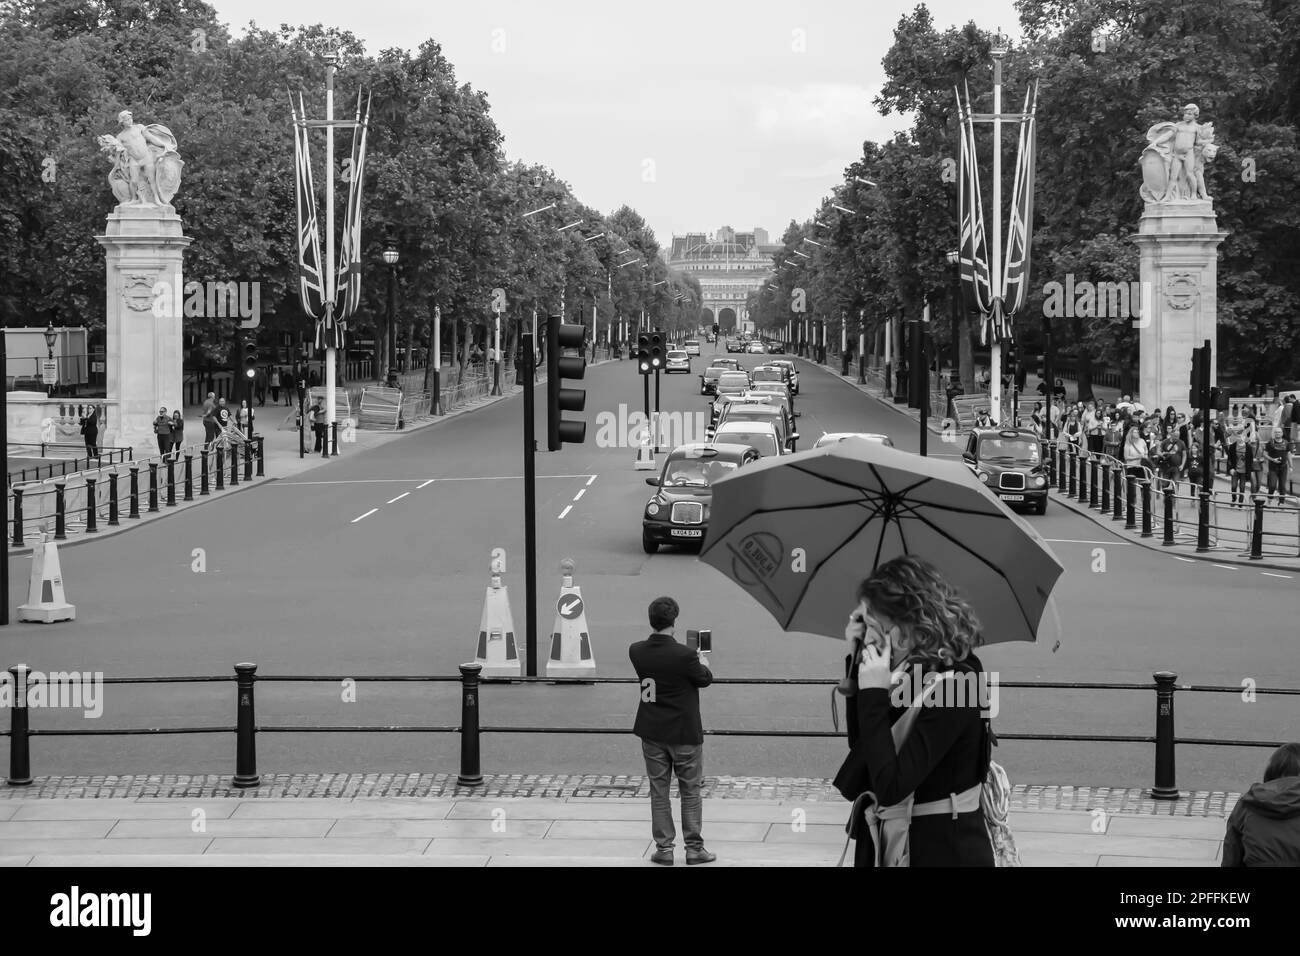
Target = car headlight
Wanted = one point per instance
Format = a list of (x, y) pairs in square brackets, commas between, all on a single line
[(1039, 481), (652, 508), (984, 476)]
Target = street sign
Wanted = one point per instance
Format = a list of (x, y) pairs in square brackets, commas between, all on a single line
[(50, 372), (569, 606)]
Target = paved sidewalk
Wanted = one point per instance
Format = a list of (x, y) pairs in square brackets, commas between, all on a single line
[(549, 820)]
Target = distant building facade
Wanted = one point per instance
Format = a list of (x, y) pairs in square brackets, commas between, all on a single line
[(728, 266)]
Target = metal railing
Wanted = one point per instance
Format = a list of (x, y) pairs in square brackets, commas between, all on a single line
[(80, 502), (1165, 685), (59, 465)]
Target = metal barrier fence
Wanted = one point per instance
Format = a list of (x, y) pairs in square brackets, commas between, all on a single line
[(1183, 512), (59, 465), (80, 502), (1165, 684)]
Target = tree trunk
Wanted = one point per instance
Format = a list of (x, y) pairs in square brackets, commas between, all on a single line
[(455, 328), (410, 346), (1083, 362)]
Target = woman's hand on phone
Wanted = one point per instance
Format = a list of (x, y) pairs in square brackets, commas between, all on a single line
[(874, 671), (856, 629)]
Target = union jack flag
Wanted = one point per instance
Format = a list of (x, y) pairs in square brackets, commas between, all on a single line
[(975, 277), (1015, 281), (311, 294), (349, 267)]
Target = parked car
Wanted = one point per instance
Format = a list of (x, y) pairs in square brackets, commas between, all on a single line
[(679, 511), (677, 361), (1011, 462), (834, 438)]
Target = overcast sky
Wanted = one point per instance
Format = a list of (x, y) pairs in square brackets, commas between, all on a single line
[(698, 114)]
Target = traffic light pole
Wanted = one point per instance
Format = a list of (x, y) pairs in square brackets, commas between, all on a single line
[(1207, 452), (645, 382), (656, 418), (530, 511)]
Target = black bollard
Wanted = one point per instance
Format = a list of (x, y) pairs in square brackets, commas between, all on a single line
[(261, 456), (1130, 502), (60, 519), (91, 526), (1146, 510), (135, 492), (1118, 476), (1203, 523), (1051, 467), (1105, 490), (221, 468), (245, 728), (248, 461), (153, 486), (470, 772), (171, 481), (18, 516), (1165, 788), (334, 440), (1083, 480), (189, 476), (1093, 471), (112, 498), (203, 470), (1061, 468), (1169, 518), (1257, 532), (1072, 489), (234, 464), (20, 756)]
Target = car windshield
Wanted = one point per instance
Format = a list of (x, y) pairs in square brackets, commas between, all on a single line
[(676, 354), (764, 441), (713, 373), (734, 378), (1019, 450), (768, 375), (695, 472)]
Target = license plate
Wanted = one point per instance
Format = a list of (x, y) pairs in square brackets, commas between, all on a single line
[(686, 533), (1012, 497)]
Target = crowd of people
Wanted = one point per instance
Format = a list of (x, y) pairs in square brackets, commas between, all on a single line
[(1256, 444)]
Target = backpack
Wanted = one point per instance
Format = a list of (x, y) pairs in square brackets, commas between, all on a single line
[(888, 828)]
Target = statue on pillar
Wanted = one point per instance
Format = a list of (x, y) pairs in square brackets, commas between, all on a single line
[(1173, 163), (146, 166)]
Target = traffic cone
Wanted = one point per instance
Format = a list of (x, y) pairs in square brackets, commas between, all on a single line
[(570, 641), (46, 602), (497, 651), (645, 456)]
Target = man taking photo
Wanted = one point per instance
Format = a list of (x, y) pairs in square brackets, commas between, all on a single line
[(672, 734)]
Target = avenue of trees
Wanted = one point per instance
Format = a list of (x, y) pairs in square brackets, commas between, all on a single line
[(436, 181), (1107, 71)]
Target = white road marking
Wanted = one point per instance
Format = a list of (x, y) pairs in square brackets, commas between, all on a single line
[(590, 480), (567, 509), (1226, 567), (366, 515), (1269, 574), (427, 483), (1188, 560), (581, 492), (404, 481), (399, 497), (1117, 544)]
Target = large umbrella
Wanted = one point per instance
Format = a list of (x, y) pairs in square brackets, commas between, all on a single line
[(800, 532)]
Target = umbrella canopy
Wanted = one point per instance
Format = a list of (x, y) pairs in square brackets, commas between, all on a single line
[(800, 532)]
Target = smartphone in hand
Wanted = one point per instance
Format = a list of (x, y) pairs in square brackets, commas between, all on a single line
[(693, 640), (706, 640)]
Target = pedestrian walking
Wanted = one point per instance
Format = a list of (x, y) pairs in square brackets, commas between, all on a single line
[(916, 767), (1264, 827), (178, 432), (162, 429), (671, 731), (275, 385), (90, 431), (1277, 455), (210, 419), (241, 417)]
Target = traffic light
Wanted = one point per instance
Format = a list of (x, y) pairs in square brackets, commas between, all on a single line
[(657, 354), (643, 353), (250, 359), (559, 399), (1198, 395), (716, 328), (1219, 399), (1013, 357)]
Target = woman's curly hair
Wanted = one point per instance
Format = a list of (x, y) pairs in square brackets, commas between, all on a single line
[(940, 625)]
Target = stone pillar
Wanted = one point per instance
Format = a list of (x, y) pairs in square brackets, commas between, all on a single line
[(144, 306), (1178, 242)]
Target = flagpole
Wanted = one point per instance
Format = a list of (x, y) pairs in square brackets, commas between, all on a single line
[(995, 273), (331, 61)]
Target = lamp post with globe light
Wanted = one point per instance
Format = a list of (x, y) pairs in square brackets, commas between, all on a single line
[(51, 337), (391, 257)]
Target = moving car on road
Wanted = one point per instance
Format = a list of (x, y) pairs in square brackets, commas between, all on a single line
[(730, 363), (760, 435), (792, 369), (834, 438), (732, 383), (679, 511), (678, 361), (756, 348), (691, 347), (709, 380), (1011, 462), (750, 411)]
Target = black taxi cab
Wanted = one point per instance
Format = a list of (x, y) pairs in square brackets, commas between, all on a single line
[(1010, 461), (679, 511)]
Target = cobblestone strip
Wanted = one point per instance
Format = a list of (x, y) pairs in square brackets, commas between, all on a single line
[(1200, 803)]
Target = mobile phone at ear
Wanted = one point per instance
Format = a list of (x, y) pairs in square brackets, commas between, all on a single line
[(706, 641), (693, 640)]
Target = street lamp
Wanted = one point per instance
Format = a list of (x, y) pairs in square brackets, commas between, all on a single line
[(390, 257), (50, 338)]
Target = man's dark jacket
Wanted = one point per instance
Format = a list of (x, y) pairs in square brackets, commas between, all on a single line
[(673, 717)]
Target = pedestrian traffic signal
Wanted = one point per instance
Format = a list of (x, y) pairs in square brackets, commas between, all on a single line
[(250, 359), (1198, 395), (1013, 356), (559, 399), (643, 353)]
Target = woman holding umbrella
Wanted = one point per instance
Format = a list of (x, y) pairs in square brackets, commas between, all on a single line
[(933, 754)]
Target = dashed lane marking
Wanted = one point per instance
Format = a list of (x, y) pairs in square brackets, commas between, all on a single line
[(399, 497), (581, 492), (1270, 574), (426, 484), (1116, 544), (1188, 560), (567, 509), (366, 515), (590, 480), (1226, 567)]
